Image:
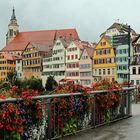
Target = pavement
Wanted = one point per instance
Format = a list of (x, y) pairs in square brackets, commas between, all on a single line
[(128, 129)]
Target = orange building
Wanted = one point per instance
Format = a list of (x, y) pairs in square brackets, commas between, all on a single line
[(7, 64)]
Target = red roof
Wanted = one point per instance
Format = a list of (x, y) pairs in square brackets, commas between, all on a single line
[(45, 37), (80, 44), (11, 56)]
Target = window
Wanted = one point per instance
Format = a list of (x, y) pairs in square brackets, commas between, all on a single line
[(137, 82), (72, 57), (113, 71), (77, 65), (76, 56), (95, 72), (11, 32), (139, 70), (124, 51), (133, 70), (104, 72), (99, 71), (132, 82), (108, 71), (103, 43), (68, 57), (58, 43)]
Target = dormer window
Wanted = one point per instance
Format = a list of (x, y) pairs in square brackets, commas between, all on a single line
[(58, 43), (103, 43)]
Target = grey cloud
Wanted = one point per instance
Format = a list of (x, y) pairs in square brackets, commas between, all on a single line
[(89, 17)]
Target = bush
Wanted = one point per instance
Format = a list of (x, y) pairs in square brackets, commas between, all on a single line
[(50, 83), (33, 83)]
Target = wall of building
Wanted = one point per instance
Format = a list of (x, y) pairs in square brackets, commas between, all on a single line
[(85, 65), (32, 62), (19, 69), (135, 74), (104, 60), (72, 62), (55, 64), (6, 66)]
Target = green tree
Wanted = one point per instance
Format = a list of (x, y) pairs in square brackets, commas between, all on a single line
[(50, 83), (33, 83)]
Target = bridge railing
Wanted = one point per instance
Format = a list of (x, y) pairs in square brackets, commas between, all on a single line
[(59, 121)]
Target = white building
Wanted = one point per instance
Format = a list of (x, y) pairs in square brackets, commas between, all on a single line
[(135, 65), (54, 63), (73, 53), (116, 29), (19, 68)]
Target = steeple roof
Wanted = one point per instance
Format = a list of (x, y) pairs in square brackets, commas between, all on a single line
[(13, 17)]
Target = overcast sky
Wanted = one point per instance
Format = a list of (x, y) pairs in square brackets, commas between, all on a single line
[(89, 17)]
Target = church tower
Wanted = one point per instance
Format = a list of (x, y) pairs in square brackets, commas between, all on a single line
[(13, 28)]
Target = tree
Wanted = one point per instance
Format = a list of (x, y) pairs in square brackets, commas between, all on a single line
[(33, 83), (11, 78), (50, 83)]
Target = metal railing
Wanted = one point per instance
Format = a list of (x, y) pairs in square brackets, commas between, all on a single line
[(51, 128)]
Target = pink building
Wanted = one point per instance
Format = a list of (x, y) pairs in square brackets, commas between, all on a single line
[(86, 66)]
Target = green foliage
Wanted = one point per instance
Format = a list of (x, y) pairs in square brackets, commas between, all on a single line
[(50, 83), (33, 83), (11, 78), (70, 126)]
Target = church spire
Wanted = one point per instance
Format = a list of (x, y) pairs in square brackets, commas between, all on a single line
[(13, 17), (13, 28)]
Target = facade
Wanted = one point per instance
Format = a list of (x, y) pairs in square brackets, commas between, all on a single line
[(73, 53), (86, 66), (135, 74), (122, 62), (135, 65), (104, 66), (33, 45), (7, 64), (54, 63), (19, 68), (32, 60)]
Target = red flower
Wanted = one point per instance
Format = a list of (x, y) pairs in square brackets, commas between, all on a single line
[(1, 125), (20, 129)]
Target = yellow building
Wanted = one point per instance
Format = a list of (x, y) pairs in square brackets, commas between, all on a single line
[(7, 64), (104, 66)]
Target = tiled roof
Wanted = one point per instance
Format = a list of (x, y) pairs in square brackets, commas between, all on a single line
[(90, 51), (42, 37), (81, 44), (118, 26), (10, 56), (42, 47)]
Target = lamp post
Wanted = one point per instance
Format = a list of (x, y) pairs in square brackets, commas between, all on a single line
[(129, 45)]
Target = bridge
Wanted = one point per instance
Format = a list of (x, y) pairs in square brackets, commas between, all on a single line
[(127, 129)]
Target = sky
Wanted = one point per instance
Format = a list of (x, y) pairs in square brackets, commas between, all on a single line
[(89, 17)]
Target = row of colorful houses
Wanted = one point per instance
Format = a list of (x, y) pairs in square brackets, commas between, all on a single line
[(62, 54)]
